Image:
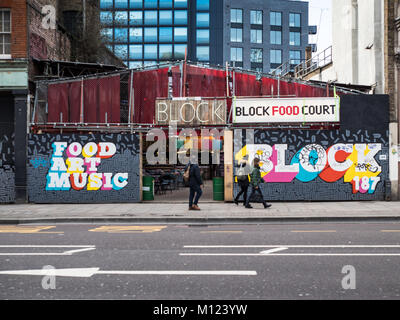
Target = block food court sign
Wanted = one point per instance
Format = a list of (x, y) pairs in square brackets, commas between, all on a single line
[(286, 110)]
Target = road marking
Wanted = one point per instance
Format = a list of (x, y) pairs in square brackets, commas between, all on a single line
[(276, 248), (222, 231), (88, 272), (64, 253), (294, 246), (273, 250), (27, 229), (390, 230), (128, 229), (311, 231), (290, 254)]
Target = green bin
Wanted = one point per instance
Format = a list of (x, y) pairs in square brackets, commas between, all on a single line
[(218, 189), (148, 188)]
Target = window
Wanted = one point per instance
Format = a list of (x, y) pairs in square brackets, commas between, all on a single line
[(107, 33), (165, 17), (150, 3), (121, 4), (180, 17), (150, 51), (121, 51), (134, 4), (236, 16), (180, 34), (203, 36), (255, 36), (202, 19), (106, 4), (166, 4), (106, 17), (135, 35), (275, 18), (276, 37), (294, 39), (276, 56), (294, 19), (135, 64), (150, 17), (135, 51), (203, 53), (203, 4), (237, 54), (180, 3), (121, 34), (149, 63), (295, 57), (165, 51), (136, 18), (121, 18), (150, 34), (236, 35), (165, 34), (256, 17), (256, 55), (179, 51)]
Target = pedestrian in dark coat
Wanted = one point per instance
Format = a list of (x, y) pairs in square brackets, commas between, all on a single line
[(255, 181), (195, 185), (243, 180)]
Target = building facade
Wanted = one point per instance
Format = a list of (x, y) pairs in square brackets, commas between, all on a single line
[(32, 33), (365, 51), (258, 35)]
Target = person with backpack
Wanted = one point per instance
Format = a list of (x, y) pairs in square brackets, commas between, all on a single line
[(193, 178), (255, 181), (243, 180)]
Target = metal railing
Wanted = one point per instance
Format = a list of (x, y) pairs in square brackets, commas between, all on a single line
[(305, 66), (320, 60)]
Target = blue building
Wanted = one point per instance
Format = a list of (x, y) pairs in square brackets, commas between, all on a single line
[(252, 34)]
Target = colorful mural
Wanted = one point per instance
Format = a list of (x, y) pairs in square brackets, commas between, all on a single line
[(83, 168), (355, 163), (319, 164)]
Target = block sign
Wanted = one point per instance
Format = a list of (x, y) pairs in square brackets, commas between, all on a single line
[(190, 111), (286, 110)]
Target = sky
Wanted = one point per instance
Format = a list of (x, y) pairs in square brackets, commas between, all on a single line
[(320, 16)]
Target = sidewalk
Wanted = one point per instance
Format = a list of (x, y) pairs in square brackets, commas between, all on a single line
[(212, 212)]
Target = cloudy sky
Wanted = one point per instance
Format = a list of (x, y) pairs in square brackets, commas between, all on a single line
[(320, 15)]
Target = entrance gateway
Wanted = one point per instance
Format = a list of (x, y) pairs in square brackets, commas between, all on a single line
[(303, 162)]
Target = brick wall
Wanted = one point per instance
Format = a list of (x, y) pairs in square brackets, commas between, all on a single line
[(52, 44), (18, 27), (390, 83)]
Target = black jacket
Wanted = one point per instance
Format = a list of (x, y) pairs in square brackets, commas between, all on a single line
[(194, 176)]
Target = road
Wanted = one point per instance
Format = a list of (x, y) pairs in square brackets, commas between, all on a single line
[(270, 261)]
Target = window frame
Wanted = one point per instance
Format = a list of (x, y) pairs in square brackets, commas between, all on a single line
[(236, 35)]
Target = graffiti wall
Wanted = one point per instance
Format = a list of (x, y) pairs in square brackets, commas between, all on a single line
[(93, 168), (7, 167), (351, 163)]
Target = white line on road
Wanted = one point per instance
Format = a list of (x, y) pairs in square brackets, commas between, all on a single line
[(277, 248), (273, 250), (292, 246), (289, 254), (65, 253), (88, 272)]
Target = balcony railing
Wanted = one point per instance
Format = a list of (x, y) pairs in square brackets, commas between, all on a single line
[(318, 61)]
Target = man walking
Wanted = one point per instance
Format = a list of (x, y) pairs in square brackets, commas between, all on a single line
[(195, 185), (255, 180), (243, 180)]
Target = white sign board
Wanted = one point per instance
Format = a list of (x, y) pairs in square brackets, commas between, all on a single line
[(285, 110)]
